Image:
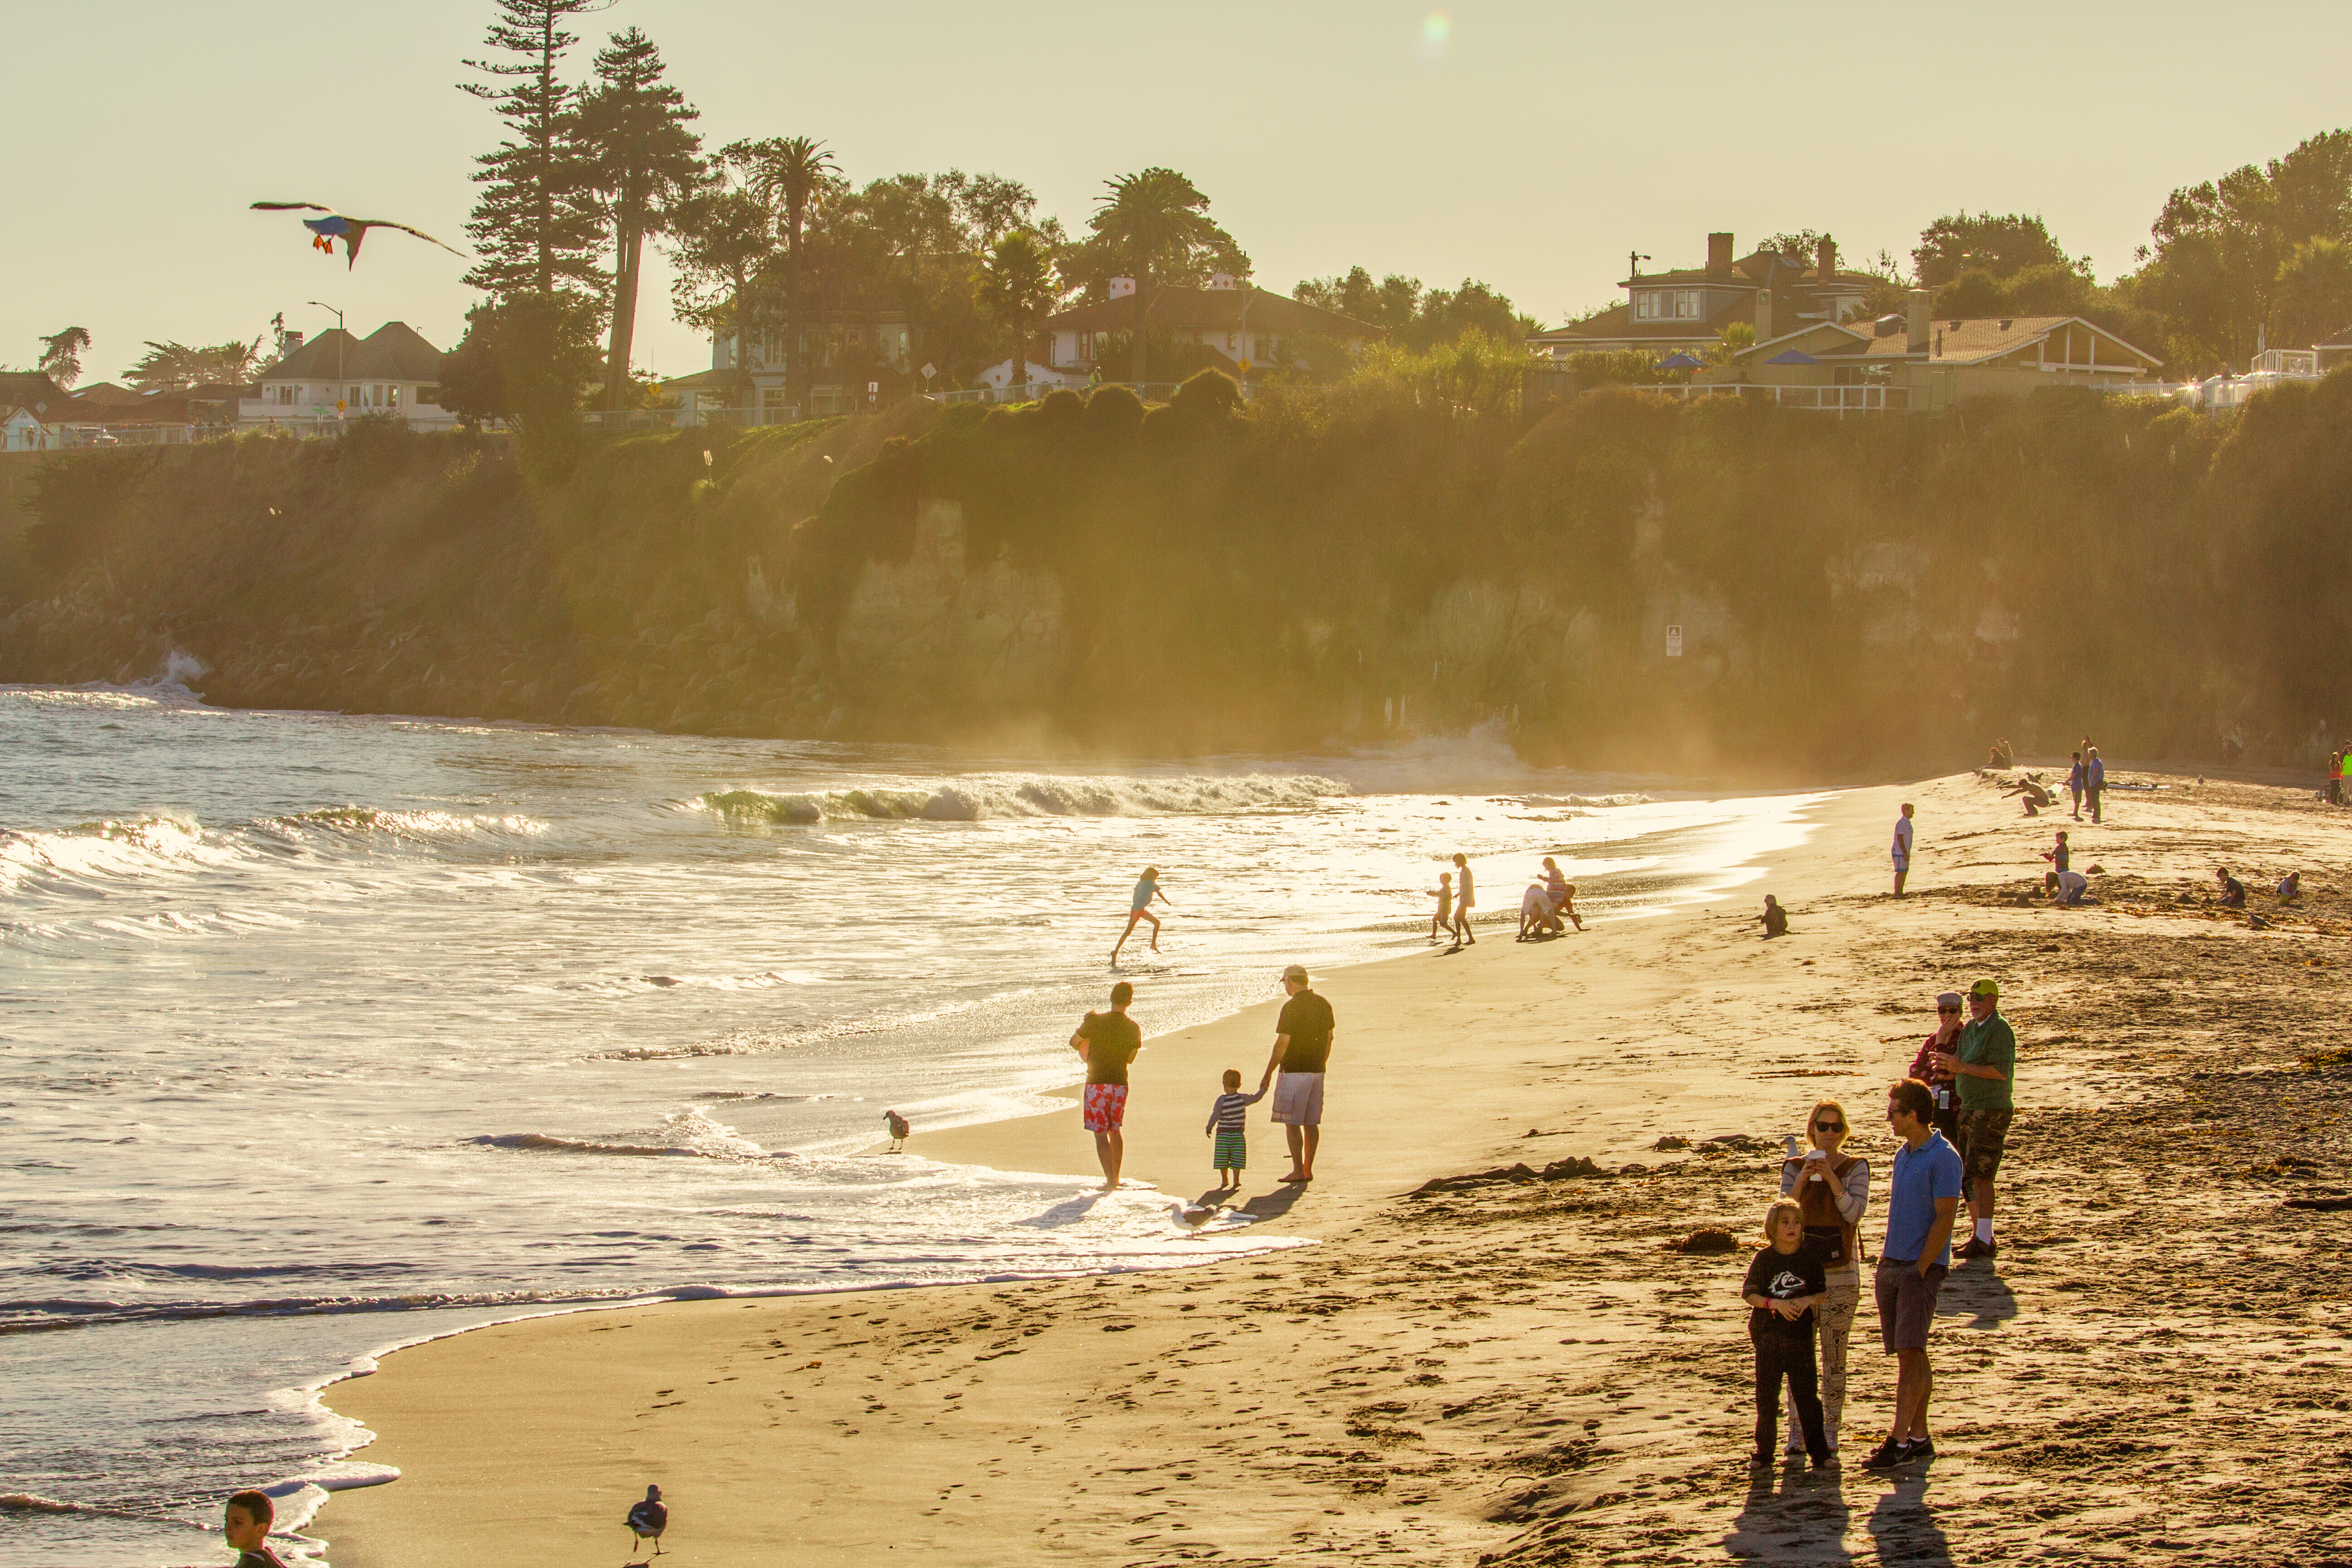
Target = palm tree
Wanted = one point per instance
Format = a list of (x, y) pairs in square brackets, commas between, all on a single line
[(789, 174), (1015, 285), (61, 355), (1150, 220)]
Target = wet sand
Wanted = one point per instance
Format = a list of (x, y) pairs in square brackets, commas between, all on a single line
[(1524, 1369)]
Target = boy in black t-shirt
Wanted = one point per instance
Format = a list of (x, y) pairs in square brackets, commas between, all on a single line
[(1783, 1284)]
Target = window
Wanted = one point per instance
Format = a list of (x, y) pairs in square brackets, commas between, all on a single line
[(1666, 305), (1085, 347), (391, 397), (429, 395)]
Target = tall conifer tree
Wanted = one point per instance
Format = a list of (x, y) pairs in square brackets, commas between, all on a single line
[(639, 154), (534, 232)]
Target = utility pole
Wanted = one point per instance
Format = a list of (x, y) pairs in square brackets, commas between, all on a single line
[(342, 337)]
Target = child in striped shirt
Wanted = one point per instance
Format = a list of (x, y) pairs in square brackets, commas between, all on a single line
[(1226, 1125)]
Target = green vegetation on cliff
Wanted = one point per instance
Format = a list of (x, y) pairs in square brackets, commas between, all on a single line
[(1350, 566)]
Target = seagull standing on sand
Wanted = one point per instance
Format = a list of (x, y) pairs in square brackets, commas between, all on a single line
[(351, 231), (649, 1518), (899, 1131)]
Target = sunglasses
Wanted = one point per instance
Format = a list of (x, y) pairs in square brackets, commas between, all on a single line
[(1947, 1009), (1829, 1126)]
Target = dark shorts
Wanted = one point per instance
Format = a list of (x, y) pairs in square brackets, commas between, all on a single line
[(1907, 1303), (1984, 1135)]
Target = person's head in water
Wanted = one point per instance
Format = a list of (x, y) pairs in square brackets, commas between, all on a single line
[(245, 1522), (1233, 1081), (1826, 1127), (1121, 995), (1784, 1225)]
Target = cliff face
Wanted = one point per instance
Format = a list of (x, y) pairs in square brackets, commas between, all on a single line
[(1352, 569)]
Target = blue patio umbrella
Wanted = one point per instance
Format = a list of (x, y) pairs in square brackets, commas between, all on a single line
[(1680, 361), (1792, 356)]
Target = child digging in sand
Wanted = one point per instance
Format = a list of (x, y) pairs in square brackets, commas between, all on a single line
[(1784, 1284), (1226, 1125)]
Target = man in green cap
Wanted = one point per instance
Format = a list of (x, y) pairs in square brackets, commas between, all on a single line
[(1984, 1069)]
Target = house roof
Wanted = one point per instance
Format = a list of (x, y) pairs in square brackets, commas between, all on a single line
[(107, 392), (394, 352), (32, 389), (1950, 340), (1616, 324), (1756, 268), (723, 377), (1177, 305)]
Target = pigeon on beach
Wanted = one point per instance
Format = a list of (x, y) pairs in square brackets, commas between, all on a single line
[(325, 231), (648, 1520)]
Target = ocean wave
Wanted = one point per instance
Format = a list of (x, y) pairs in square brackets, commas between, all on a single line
[(107, 850), (1588, 802), (683, 1134), (999, 796)]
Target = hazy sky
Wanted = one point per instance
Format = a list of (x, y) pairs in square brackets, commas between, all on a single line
[(1528, 144)]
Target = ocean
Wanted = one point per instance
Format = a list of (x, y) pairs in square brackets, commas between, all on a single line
[(322, 1033)]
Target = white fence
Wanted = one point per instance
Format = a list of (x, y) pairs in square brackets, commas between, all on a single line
[(1864, 399)]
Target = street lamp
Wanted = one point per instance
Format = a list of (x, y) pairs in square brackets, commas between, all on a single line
[(342, 337)]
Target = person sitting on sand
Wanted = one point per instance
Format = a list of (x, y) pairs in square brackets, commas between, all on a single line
[(1145, 891), (244, 1523), (2057, 856), (1107, 1043), (2233, 891), (1775, 918), (1832, 1190), (1443, 918), (1783, 1287), (1228, 1125), (2290, 887)]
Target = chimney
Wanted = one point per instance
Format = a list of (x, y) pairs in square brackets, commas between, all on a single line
[(1718, 254), (1764, 314), (1825, 260), (1915, 322), (1120, 287), (293, 341)]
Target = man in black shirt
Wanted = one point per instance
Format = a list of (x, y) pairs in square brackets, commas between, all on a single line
[(1784, 1284), (1107, 1042), (1302, 1045)]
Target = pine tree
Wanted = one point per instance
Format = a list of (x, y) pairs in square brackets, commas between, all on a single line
[(534, 229), (640, 155)]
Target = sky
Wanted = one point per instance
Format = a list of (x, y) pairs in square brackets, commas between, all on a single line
[(1531, 145)]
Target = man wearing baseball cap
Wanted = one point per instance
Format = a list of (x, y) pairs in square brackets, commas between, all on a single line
[(1984, 1070), (1302, 1045)]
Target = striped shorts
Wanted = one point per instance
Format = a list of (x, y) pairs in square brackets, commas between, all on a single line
[(1232, 1149)]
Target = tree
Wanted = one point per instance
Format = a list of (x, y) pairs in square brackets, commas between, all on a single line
[(176, 367), (61, 355), (1998, 246), (721, 236), (525, 361), (2314, 292), (1015, 285), (1391, 304), (534, 230), (1800, 244), (1156, 225), (1418, 319), (792, 174), (638, 154)]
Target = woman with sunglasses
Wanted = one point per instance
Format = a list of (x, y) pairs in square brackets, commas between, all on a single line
[(1833, 1189), (1950, 1015)]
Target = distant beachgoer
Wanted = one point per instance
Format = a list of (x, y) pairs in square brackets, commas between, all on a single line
[(1832, 1192), (1302, 1048), (2001, 756), (899, 1129), (1535, 913), (1984, 1069), (1902, 850), (1465, 896), (245, 1523), (1922, 1196), (2233, 891), (1145, 891), (1782, 1288), (1559, 895), (1107, 1042), (2057, 854), (1443, 918), (2095, 780), (1228, 1126), (1950, 1012), (2036, 796), (2336, 778), (2074, 776), (2290, 887), (2073, 889), (1775, 918), (1566, 909)]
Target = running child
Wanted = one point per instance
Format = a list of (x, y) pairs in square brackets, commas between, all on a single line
[(1145, 891), (1784, 1283), (1226, 1125), (1443, 918)]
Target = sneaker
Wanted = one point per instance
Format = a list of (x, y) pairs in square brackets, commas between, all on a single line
[(1826, 1460), (1973, 1248), (1889, 1455), (1925, 1449)]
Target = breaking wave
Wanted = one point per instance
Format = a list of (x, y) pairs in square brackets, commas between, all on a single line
[(987, 795)]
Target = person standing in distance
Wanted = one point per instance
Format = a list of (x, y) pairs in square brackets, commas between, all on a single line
[(245, 1523), (1902, 848), (1302, 1046), (1922, 1197), (2074, 776), (2095, 780), (1984, 1072), (1107, 1042), (1463, 898)]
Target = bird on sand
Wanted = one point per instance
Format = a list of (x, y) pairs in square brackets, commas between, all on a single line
[(351, 231), (648, 1520), (899, 1129)]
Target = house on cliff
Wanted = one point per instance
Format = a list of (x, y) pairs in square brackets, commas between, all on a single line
[(846, 348), (1254, 330), (1685, 310), (393, 371)]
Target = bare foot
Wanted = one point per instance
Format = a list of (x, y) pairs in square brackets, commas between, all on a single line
[(1297, 1176)]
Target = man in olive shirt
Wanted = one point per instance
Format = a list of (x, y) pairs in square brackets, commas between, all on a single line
[(1984, 1073), (1302, 1045), (1107, 1042)]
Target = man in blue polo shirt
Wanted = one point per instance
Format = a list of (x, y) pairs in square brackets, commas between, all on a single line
[(1921, 1201)]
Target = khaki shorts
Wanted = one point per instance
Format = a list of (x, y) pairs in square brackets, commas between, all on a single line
[(1298, 1098), (1984, 1135)]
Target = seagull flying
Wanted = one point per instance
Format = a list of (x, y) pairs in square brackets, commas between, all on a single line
[(649, 1518), (325, 230)]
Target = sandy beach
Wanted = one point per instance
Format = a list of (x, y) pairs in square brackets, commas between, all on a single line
[(1522, 1367)]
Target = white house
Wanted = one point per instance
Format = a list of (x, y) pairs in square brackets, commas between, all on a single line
[(1035, 369), (22, 431), (1247, 324), (391, 371)]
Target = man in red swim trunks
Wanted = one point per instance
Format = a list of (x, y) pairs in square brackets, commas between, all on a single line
[(1107, 1042)]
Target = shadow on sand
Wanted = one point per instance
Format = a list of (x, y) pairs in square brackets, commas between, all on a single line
[(1791, 1515), (1975, 1291)]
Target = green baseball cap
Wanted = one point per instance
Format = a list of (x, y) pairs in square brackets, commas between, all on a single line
[(1985, 988)]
